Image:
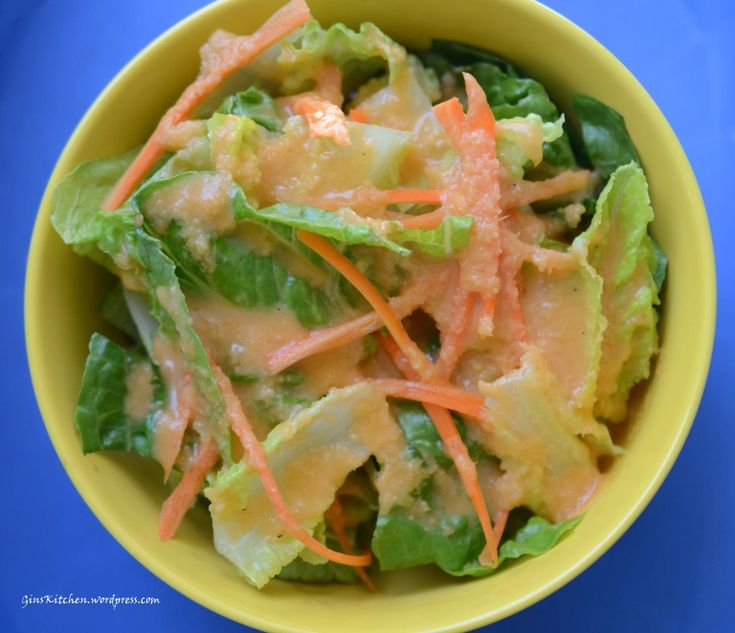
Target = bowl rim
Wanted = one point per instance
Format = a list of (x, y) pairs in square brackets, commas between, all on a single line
[(42, 227)]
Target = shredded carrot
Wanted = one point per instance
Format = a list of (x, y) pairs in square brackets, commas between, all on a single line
[(510, 297), (388, 343), (527, 191), (329, 338), (180, 500), (240, 51), (425, 221), (257, 461), (474, 188), (450, 114), (467, 470), (441, 394), (325, 119), (423, 196), (456, 450), (336, 519), (349, 271), (170, 430), (453, 336), (358, 115)]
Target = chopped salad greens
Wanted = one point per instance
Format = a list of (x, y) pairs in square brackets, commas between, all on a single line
[(377, 308)]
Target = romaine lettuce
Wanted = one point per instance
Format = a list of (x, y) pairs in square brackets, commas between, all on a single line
[(606, 139), (310, 456), (101, 417), (618, 246)]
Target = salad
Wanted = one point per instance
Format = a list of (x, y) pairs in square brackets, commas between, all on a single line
[(375, 308)]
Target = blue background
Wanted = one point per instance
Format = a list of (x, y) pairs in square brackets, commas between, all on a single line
[(670, 572)]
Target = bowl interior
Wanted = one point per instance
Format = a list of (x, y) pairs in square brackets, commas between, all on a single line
[(125, 493)]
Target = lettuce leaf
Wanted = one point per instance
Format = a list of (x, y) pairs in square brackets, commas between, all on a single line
[(520, 141), (536, 537), (101, 417), (310, 455), (255, 104), (448, 541), (120, 241), (359, 54), (343, 226), (508, 91), (606, 139), (618, 246), (115, 309), (298, 570), (572, 352), (234, 269), (538, 437), (455, 542)]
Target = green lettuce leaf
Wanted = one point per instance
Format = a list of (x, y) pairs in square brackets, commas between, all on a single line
[(101, 417), (449, 237), (79, 196), (520, 141), (538, 435), (310, 455), (509, 92), (659, 264), (120, 241), (298, 570), (235, 269), (606, 139), (255, 104), (343, 226), (115, 309), (448, 541), (359, 54), (618, 246), (536, 537)]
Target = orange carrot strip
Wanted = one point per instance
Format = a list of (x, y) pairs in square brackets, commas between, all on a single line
[(443, 395), (350, 272), (331, 337), (388, 343), (452, 340), (528, 191), (467, 470), (336, 518), (474, 188), (180, 500), (450, 114), (257, 461), (479, 114), (423, 196), (239, 52), (425, 221), (358, 115), (325, 119), (456, 450)]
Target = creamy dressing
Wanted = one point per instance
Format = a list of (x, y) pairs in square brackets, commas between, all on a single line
[(201, 204), (295, 164), (571, 302), (139, 387), (241, 339), (174, 419)]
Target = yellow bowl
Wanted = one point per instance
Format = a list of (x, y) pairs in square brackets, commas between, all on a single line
[(126, 494)]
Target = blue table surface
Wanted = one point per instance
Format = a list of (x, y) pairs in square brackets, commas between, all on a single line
[(670, 572)]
